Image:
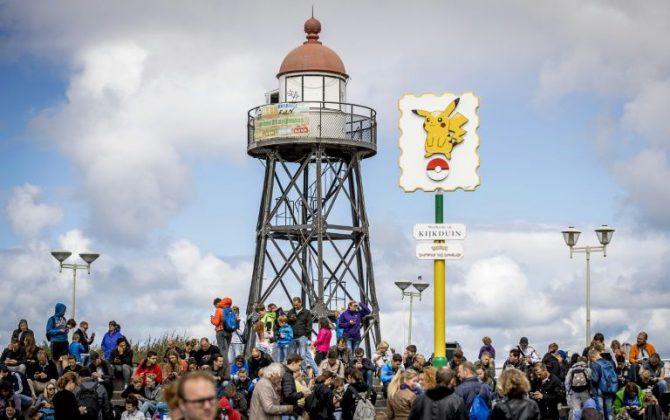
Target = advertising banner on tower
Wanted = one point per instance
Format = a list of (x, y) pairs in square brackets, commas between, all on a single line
[(439, 142), (284, 119)]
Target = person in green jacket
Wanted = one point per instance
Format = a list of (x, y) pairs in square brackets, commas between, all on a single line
[(629, 398)]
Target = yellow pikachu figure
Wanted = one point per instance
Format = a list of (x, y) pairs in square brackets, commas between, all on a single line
[(443, 131)]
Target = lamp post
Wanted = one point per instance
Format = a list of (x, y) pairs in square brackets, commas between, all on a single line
[(403, 285), (61, 256), (571, 235)]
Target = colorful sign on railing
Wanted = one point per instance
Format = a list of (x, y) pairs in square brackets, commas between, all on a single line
[(285, 119)]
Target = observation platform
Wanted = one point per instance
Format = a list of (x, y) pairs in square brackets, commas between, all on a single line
[(292, 129)]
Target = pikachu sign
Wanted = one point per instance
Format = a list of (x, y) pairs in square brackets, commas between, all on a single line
[(438, 142)]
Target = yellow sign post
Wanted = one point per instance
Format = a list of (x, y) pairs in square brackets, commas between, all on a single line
[(439, 152)]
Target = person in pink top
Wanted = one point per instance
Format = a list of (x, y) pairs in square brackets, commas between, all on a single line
[(322, 342)]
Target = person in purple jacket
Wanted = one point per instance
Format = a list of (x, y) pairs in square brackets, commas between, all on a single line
[(351, 321)]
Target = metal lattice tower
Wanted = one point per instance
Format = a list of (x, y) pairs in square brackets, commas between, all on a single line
[(312, 236)]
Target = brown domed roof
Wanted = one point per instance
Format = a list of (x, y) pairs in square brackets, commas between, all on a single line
[(312, 55)]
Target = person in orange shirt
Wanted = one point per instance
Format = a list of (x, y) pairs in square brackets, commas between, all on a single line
[(641, 351), (223, 337)]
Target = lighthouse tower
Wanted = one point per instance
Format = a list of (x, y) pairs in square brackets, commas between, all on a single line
[(312, 236)]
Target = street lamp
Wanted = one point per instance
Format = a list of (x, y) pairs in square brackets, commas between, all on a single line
[(404, 285), (61, 256), (571, 235)]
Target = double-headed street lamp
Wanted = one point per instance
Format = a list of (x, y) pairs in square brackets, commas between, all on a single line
[(420, 286), (61, 256), (571, 235)]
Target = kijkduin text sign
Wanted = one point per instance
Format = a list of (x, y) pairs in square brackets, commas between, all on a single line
[(444, 251), (438, 142), (439, 231)]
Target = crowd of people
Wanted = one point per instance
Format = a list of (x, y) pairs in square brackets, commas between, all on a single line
[(288, 375)]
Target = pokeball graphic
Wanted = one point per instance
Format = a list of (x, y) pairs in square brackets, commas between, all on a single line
[(437, 169)]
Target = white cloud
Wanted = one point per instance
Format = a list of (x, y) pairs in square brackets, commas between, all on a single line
[(151, 88), (171, 291), (26, 216), (645, 177)]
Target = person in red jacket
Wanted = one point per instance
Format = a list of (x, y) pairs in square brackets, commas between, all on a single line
[(223, 337), (149, 365), (226, 409)]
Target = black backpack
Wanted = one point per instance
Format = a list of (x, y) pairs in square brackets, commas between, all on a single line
[(88, 397)]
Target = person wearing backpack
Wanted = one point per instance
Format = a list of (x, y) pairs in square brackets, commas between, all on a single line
[(93, 396), (604, 383), (225, 324), (359, 399), (578, 385)]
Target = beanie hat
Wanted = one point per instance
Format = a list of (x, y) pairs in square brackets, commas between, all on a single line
[(226, 301)]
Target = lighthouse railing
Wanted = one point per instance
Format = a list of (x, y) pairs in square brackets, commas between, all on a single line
[(325, 120)]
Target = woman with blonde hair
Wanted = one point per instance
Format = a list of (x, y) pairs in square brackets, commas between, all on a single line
[(45, 402), (428, 378), (515, 405), (401, 392)]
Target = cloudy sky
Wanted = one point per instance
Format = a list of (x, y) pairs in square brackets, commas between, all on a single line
[(122, 131)]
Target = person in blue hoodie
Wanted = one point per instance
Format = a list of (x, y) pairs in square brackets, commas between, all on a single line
[(57, 333), (110, 339)]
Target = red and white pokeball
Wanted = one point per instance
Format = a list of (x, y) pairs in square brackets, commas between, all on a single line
[(437, 169)]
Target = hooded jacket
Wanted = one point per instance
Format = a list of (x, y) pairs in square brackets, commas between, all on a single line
[(439, 403), (109, 341), (56, 325), (217, 318)]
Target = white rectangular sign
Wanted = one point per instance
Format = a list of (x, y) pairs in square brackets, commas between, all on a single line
[(446, 251), (439, 231)]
